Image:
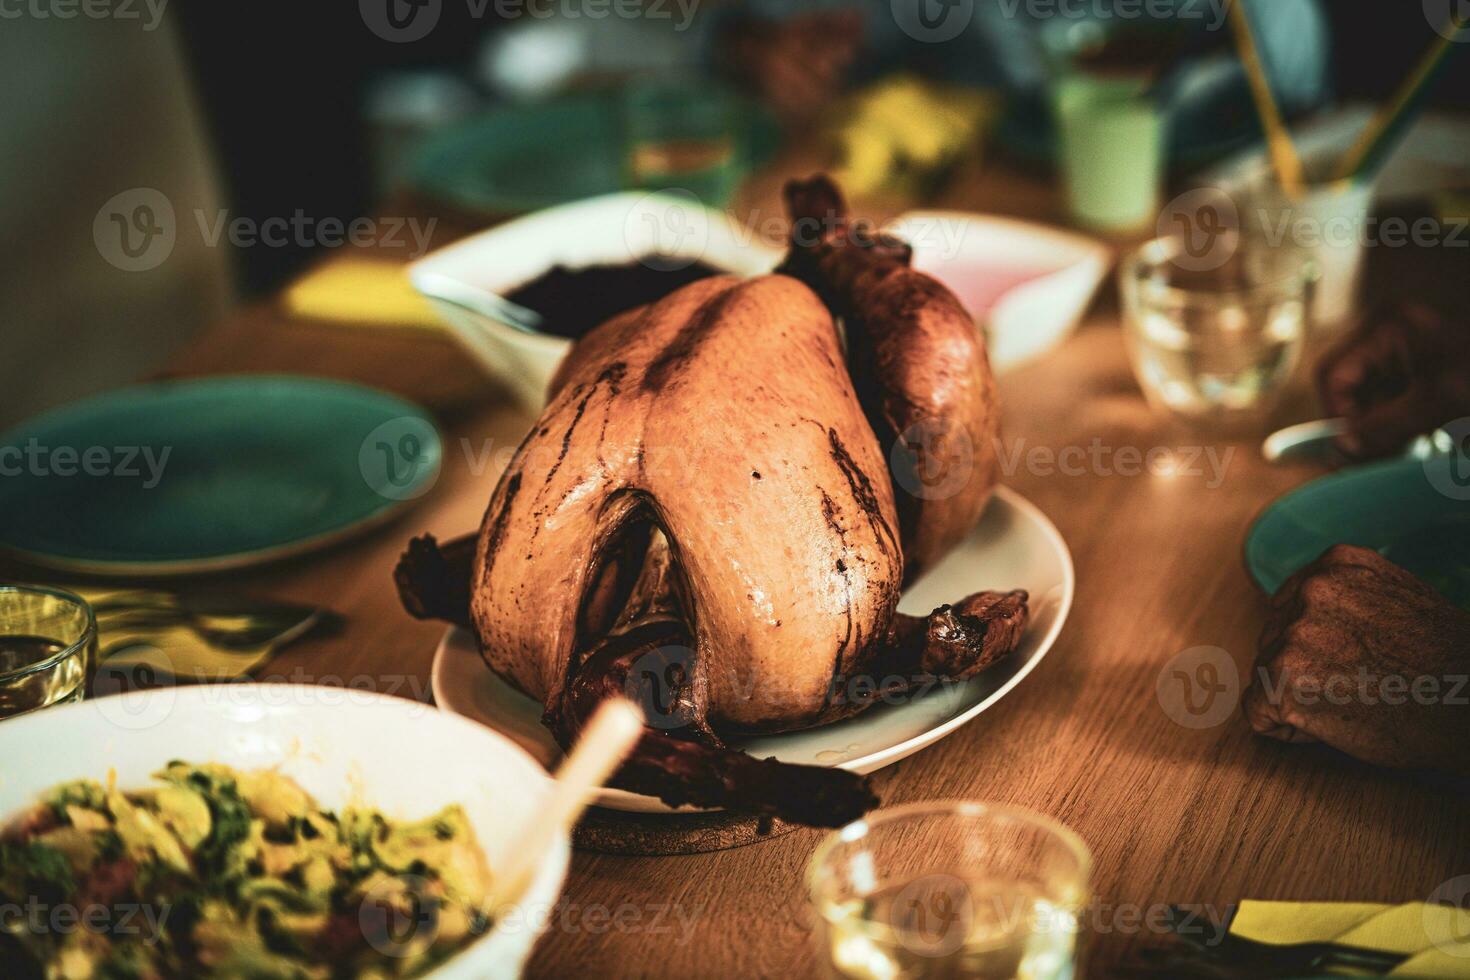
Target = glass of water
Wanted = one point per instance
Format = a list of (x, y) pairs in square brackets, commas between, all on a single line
[(1218, 339), (48, 646), (951, 889)]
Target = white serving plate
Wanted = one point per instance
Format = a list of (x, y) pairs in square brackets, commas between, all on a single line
[(612, 229), (1033, 317), (342, 746), (1015, 546)]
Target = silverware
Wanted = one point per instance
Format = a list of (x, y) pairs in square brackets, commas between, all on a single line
[(226, 620), (197, 637)]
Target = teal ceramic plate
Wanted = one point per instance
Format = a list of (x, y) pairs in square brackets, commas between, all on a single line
[(527, 157), (1415, 513), (210, 474)]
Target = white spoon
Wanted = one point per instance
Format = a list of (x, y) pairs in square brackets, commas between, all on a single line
[(1316, 439), (477, 300), (1305, 439), (604, 743)]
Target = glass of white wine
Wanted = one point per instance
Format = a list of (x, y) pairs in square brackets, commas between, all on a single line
[(951, 889), (48, 647), (1216, 337)]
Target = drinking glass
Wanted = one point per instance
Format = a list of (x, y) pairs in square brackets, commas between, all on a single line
[(680, 134), (951, 889), (48, 647), (1327, 225), (1219, 344), (1112, 151)]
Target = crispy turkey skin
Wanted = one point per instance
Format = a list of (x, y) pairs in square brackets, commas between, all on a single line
[(712, 517), (723, 414)]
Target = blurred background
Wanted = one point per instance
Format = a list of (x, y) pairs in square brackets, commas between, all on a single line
[(264, 129)]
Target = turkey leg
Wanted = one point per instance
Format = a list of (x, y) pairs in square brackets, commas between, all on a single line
[(918, 364)]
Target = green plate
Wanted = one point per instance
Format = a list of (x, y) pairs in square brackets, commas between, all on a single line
[(528, 157), (204, 475), (1416, 513)]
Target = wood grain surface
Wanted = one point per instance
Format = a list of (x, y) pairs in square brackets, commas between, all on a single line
[(1172, 813)]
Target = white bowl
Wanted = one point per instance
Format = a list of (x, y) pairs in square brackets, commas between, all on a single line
[(342, 745), (611, 229), (1040, 280)]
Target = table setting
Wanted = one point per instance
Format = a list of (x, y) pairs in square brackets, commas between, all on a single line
[(789, 515)]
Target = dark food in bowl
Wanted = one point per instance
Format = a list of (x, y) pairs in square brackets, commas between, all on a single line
[(573, 301)]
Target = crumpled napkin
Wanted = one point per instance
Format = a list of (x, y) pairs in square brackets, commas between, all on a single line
[(1436, 938), (361, 292)]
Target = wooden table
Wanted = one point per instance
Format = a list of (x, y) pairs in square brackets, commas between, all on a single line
[(1172, 814)]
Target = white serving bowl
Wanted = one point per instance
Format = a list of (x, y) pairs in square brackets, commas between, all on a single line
[(613, 229), (1036, 313), (342, 745)]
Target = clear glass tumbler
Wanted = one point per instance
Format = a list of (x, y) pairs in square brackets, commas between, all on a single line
[(48, 647), (1216, 345), (951, 889), (1328, 226)]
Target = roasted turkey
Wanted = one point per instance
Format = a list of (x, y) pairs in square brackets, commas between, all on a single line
[(719, 506)]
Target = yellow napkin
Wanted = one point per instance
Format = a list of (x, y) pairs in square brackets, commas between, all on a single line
[(903, 129), (1436, 938), (361, 292)]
